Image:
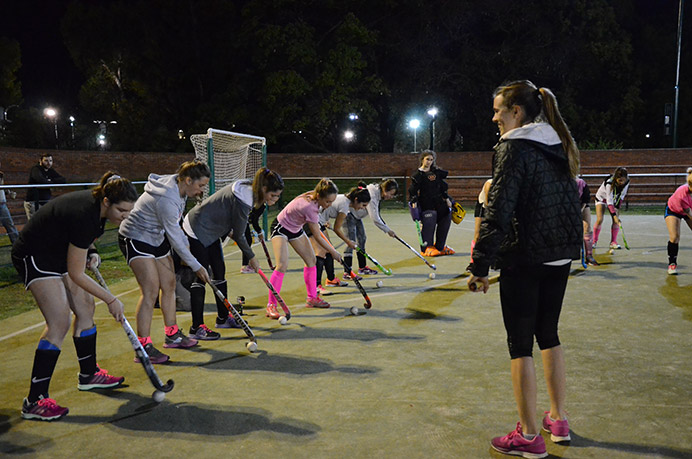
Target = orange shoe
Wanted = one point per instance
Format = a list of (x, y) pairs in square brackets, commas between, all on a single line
[(448, 251), (272, 313), (431, 251)]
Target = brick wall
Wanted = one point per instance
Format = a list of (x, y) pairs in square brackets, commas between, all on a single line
[(88, 166)]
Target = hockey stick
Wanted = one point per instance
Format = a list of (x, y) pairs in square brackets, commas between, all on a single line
[(234, 313), (266, 251), (354, 278), (416, 252), (271, 288), (420, 237), (386, 271), (137, 346), (624, 240)]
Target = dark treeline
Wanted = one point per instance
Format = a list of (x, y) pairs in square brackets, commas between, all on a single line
[(293, 71)]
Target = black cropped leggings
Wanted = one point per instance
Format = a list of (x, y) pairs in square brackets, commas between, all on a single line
[(531, 298)]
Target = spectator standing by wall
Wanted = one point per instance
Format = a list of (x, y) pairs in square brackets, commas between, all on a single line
[(42, 173)]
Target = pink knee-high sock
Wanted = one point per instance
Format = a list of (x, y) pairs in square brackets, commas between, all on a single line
[(310, 277), (473, 244), (614, 230), (276, 280), (596, 232)]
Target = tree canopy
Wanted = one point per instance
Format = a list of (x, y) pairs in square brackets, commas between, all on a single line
[(293, 71)]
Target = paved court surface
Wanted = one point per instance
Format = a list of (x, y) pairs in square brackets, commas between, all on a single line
[(425, 373)]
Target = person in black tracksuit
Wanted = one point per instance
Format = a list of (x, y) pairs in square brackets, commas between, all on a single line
[(429, 199), (531, 231)]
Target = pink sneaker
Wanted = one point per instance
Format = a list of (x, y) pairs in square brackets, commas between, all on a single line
[(99, 380), (247, 270), (515, 444), (317, 303), (44, 409), (323, 291), (559, 430), (272, 313)]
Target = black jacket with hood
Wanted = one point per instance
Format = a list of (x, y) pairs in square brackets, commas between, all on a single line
[(533, 214)]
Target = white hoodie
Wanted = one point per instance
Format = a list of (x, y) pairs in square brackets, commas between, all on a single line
[(157, 214)]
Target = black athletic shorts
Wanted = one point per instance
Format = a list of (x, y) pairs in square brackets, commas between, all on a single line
[(308, 233), (31, 269), (280, 231), (133, 248), (669, 212)]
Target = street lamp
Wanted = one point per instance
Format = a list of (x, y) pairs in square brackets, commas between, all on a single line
[(52, 114), (72, 120), (352, 116), (414, 124), (433, 113), (349, 135)]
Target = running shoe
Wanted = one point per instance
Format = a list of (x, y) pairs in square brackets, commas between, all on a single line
[(336, 282), (431, 251), (591, 261), (559, 430), (515, 444), (366, 271), (204, 333), (272, 313), (323, 291), (615, 246), (317, 303), (179, 340), (99, 380), (448, 251), (228, 322), (673, 269), (44, 409), (247, 270), (155, 356), (348, 276)]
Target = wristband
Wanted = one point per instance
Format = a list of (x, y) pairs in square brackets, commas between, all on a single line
[(112, 301)]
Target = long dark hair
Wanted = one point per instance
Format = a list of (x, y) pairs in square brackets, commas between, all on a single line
[(536, 102), (359, 193), (265, 178), (194, 169), (115, 188)]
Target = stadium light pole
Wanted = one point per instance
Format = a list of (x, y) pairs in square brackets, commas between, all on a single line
[(52, 114), (414, 124), (433, 113), (677, 78)]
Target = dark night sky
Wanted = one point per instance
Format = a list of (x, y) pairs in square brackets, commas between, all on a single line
[(48, 76)]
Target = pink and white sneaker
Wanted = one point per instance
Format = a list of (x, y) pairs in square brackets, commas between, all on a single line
[(99, 380), (44, 409), (559, 430), (323, 291), (272, 313), (515, 444), (317, 303)]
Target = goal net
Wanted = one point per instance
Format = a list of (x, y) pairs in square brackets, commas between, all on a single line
[(229, 155)]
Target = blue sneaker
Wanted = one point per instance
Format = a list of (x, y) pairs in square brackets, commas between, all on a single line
[(228, 322)]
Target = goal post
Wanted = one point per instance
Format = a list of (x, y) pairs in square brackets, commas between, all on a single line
[(229, 155)]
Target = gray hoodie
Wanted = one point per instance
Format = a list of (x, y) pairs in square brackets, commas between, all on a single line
[(157, 214)]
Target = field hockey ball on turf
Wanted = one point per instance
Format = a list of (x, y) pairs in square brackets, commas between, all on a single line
[(251, 346), (379, 284), (283, 320), (354, 310), (158, 396), (432, 276)]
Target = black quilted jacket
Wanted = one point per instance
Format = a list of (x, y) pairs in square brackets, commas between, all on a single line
[(533, 214)]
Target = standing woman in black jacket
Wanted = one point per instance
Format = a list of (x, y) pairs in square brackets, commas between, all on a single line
[(428, 196), (531, 232)]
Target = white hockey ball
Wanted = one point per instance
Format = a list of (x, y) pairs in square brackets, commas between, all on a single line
[(283, 320), (251, 346), (432, 276), (158, 396), (379, 284), (354, 310)]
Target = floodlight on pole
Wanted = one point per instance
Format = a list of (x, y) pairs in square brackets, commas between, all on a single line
[(414, 124), (353, 116), (349, 135), (52, 114), (432, 111)]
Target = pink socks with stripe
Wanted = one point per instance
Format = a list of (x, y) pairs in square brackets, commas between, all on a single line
[(276, 279), (310, 277)]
